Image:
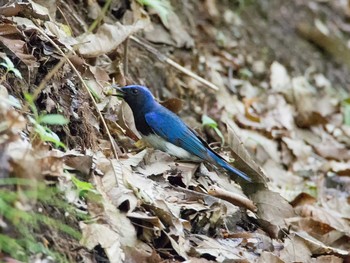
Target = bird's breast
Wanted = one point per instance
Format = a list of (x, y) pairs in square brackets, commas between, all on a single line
[(159, 143)]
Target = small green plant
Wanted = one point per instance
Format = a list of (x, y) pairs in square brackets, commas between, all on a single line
[(8, 65), (82, 186), (41, 120), (209, 122), (21, 241), (161, 7)]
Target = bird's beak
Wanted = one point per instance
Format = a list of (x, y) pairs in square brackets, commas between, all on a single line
[(120, 92)]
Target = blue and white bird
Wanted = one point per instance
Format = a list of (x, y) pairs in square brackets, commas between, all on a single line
[(165, 131)]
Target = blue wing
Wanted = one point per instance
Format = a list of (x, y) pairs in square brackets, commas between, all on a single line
[(171, 128)]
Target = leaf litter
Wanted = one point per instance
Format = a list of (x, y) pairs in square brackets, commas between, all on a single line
[(290, 136)]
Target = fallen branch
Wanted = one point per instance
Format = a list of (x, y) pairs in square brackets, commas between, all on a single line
[(232, 198)]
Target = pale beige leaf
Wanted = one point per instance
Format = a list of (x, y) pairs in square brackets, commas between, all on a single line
[(107, 38), (101, 234)]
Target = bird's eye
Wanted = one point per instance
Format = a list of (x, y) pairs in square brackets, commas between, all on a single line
[(134, 91)]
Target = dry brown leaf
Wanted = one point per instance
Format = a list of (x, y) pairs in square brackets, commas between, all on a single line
[(8, 29), (142, 253), (329, 147), (340, 168), (176, 35), (117, 221), (243, 160), (272, 208), (317, 247), (51, 166), (62, 33), (126, 121), (114, 184), (183, 172), (29, 8), (262, 147), (156, 162), (269, 257), (102, 234), (303, 199), (18, 47), (174, 104), (313, 106), (107, 38), (280, 177), (79, 162), (178, 32), (280, 114), (329, 259), (99, 74), (221, 250), (337, 198), (216, 178), (159, 34), (322, 232), (134, 159), (299, 148), (325, 216), (11, 38), (295, 250), (12, 9), (51, 6)]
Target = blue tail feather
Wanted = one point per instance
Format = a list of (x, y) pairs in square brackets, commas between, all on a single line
[(222, 163)]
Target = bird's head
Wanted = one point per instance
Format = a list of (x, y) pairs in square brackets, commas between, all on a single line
[(138, 97)]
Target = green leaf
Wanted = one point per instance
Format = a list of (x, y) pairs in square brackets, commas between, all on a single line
[(53, 119), (29, 98), (9, 63), (207, 121), (4, 65), (10, 67), (93, 92), (46, 134), (219, 133), (81, 185), (162, 8), (17, 73)]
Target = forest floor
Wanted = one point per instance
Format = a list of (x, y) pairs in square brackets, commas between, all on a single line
[(265, 83)]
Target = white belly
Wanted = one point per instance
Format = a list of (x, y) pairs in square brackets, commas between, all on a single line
[(159, 143)]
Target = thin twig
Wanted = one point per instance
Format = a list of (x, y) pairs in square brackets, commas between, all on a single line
[(86, 88), (65, 19), (80, 21), (172, 63), (126, 66), (233, 198)]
